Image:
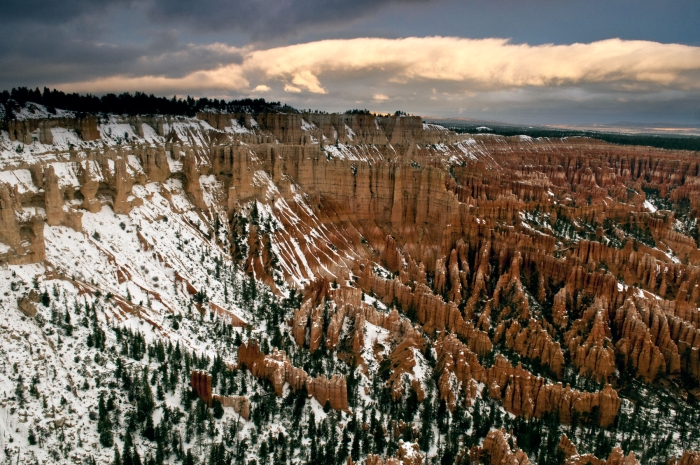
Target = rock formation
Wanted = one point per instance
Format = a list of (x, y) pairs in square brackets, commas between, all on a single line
[(497, 451), (407, 454), (533, 342), (278, 370), (590, 344), (616, 457), (200, 381), (520, 392), (201, 385), (688, 458), (239, 404)]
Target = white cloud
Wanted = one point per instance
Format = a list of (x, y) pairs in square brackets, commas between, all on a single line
[(488, 64), (438, 68)]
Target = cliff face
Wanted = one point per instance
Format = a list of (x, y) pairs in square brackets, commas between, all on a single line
[(39, 130)]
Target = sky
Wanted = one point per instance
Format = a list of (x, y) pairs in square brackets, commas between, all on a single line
[(516, 61)]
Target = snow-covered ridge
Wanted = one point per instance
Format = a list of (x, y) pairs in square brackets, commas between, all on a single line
[(37, 111)]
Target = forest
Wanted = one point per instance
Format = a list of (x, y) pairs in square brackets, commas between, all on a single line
[(138, 103), (670, 142)]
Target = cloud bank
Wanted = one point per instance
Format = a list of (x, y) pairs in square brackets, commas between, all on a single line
[(431, 72), (462, 65)]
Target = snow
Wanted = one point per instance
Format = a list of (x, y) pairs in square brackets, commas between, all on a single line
[(350, 133), (63, 138), (114, 131), (150, 134), (434, 127), (352, 152), (37, 111), (307, 126), (66, 173), (21, 178), (262, 179), (237, 128), (648, 205)]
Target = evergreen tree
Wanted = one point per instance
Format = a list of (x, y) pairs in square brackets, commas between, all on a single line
[(144, 403), (189, 458), (128, 449), (45, 299), (378, 435), (104, 423), (313, 451), (149, 431), (218, 409), (426, 437), (355, 449), (19, 389)]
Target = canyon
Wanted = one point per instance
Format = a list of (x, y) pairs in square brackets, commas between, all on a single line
[(544, 279)]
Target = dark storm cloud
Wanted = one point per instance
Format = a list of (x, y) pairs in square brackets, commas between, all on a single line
[(35, 52), (265, 18), (48, 11), (50, 41)]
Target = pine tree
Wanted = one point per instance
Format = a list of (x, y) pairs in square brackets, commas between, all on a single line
[(104, 424), (355, 449), (117, 457), (127, 456), (426, 437), (45, 299), (344, 450), (144, 403), (218, 409), (67, 327), (378, 436), (189, 458), (19, 389), (149, 430), (312, 434)]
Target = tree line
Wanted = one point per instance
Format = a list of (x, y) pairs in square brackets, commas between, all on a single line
[(138, 103)]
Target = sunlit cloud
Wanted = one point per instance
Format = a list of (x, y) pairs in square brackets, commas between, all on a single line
[(434, 68), (487, 65)]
